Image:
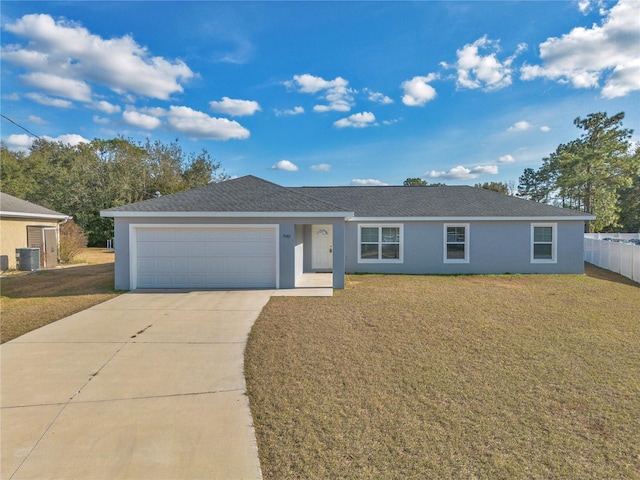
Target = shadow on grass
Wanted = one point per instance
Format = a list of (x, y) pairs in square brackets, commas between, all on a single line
[(592, 271), (58, 282)]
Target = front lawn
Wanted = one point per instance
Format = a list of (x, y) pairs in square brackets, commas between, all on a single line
[(523, 376), (32, 300)]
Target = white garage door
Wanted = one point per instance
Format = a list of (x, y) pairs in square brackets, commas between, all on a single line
[(194, 257)]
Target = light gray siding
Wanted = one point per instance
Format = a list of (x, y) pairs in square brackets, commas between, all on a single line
[(494, 247), (290, 236)]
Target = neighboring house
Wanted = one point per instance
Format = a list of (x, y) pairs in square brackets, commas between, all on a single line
[(250, 233), (27, 225)]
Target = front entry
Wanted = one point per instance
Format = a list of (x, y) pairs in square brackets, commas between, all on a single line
[(322, 247)]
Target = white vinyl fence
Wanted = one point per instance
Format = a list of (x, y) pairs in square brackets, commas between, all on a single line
[(618, 252)]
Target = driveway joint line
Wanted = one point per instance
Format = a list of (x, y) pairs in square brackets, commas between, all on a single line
[(64, 406), (166, 395), (152, 342)]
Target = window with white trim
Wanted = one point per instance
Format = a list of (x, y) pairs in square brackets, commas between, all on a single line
[(456, 243), (543, 242), (380, 243)]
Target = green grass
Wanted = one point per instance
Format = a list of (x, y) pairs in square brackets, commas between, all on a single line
[(450, 377)]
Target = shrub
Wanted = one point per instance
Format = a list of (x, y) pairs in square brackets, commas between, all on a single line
[(72, 240)]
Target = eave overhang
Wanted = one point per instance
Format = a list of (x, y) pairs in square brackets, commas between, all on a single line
[(131, 214)]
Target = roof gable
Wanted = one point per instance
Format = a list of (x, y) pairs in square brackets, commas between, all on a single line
[(11, 206), (244, 194)]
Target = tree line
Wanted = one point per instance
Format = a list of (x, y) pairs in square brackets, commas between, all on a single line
[(597, 173), (84, 179)]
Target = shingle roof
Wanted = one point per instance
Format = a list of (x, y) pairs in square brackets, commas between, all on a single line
[(244, 194), (15, 207), (445, 201), (252, 194)]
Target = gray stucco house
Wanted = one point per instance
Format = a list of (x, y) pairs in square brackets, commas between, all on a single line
[(251, 233)]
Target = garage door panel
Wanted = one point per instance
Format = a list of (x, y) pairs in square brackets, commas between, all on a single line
[(198, 267), (157, 249), (258, 250), (189, 257)]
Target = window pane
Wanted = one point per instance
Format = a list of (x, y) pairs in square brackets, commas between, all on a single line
[(543, 234), (390, 250), (390, 234), (542, 251), (455, 234), (455, 251), (368, 234), (369, 251)]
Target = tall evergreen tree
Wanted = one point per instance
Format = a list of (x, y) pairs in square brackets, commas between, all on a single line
[(588, 173)]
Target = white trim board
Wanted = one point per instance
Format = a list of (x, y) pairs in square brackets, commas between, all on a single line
[(470, 219), (225, 214), (44, 216)]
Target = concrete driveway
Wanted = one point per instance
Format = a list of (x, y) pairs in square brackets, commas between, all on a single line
[(144, 386)]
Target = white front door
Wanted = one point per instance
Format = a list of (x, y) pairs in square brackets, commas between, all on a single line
[(322, 247)]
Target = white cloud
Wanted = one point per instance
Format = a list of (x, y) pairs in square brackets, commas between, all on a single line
[(335, 92), (285, 165), (71, 139), (101, 120), (48, 101), (377, 97), (37, 120), (519, 126), (357, 120), (368, 182), (307, 83), (23, 142), (68, 51), (289, 112), (140, 120), (59, 86), (544, 128), (584, 6), (200, 125), (475, 70), (321, 167), (153, 111), (463, 173), (418, 91), (585, 56), (506, 159), (106, 107), (19, 142), (235, 107)]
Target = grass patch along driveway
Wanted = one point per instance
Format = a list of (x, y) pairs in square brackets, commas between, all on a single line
[(524, 376), (32, 300)]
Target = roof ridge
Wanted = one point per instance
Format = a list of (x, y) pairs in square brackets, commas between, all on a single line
[(329, 204), (290, 190), (381, 186)]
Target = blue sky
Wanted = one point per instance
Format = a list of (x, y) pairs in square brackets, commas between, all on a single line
[(324, 93)]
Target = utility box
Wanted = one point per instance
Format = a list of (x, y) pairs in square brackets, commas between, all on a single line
[(27, 259)]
